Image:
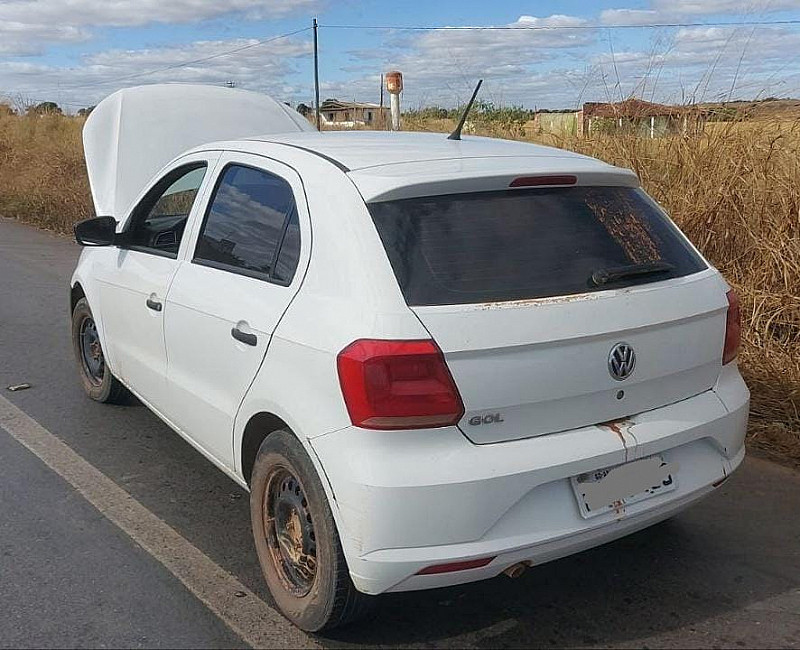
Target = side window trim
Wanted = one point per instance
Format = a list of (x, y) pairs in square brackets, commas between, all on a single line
[(221, 266), (138, 212), (148, 251), (274, 266)]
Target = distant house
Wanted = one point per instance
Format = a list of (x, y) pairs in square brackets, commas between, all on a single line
[(561, 123), (348, 114), (636, 116), (643, 118)]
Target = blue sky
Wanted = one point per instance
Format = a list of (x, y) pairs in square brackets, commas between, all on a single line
[(551, 54)]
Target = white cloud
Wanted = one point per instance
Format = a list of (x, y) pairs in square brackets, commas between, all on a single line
[(140, 12), (707, 63), (27, 26), (265, 68), (556, 20), (630, 16), (442, 66), (563, 67), (18, 38), (661, 11), (686, 64), (713, 7), (527, 62)]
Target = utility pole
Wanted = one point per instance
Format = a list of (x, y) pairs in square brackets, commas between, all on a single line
[(316, 76), (381, 121)]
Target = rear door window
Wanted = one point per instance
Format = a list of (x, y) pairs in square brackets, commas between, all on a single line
[(251, 226), (524, 244)]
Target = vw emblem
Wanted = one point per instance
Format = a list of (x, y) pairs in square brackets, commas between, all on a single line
[(621, 361)]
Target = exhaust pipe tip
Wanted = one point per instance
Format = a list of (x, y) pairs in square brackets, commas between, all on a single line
[(515, 570)]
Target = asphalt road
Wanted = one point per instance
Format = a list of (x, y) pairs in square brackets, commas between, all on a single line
[(725, 573)]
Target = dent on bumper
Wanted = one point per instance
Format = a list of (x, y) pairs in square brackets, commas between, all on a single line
[(407, 500)]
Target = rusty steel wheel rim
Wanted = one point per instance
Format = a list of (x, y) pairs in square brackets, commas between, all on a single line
[(290, 532), (92, 358)]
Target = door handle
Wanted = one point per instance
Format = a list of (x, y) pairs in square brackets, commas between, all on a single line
[(154, 304), (244, 337)]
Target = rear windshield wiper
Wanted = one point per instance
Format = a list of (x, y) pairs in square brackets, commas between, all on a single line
[(612, 274)]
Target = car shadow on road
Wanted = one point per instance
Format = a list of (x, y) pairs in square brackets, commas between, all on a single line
[(707, 562), (627, 589)]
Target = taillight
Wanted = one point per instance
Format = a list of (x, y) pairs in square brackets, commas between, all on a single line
[(398, 385), (733, 329)]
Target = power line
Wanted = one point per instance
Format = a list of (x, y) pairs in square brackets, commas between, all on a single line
[(523, 27), (182, 64)]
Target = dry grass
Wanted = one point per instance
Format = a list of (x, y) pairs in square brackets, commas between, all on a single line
[(735, 191), (42, 175)]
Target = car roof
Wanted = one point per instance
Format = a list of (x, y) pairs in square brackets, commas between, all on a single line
[(357, 150), (394, 165)]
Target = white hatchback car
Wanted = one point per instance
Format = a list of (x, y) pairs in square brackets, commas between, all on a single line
[(429, 361)]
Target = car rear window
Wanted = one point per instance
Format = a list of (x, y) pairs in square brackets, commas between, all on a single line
[(523, 244)]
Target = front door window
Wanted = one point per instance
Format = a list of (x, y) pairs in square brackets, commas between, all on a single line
[(159, 220)]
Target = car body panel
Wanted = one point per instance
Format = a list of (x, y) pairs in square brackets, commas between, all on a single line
[(135, 333), (359, 150), (413, 499), (549, 357), (338, 299), (123, 280), (404, 500), (209, 371), (134, 132), (452, 176)]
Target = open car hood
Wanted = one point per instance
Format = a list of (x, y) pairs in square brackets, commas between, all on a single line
[(132, 134)]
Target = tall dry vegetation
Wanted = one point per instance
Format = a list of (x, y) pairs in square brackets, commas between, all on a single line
[(42, 174), (735, 190)]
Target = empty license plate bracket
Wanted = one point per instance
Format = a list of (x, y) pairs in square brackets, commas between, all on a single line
[(613, 488)]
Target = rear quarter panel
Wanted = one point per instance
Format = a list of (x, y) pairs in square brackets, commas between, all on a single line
[(348, 292)]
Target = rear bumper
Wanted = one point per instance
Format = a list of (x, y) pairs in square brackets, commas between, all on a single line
[(408, 500)]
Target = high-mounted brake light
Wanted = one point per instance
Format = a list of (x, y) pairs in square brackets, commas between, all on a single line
[(398, 385), (733, 329), (537, 181)]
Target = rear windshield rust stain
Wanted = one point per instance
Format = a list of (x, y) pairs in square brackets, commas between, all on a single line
[(534, 302), (626, 226)]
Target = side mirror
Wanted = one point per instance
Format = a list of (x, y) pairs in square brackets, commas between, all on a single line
[(100, 231)]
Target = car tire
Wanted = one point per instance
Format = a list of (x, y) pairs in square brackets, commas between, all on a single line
[(285, 491), (96, 377)]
